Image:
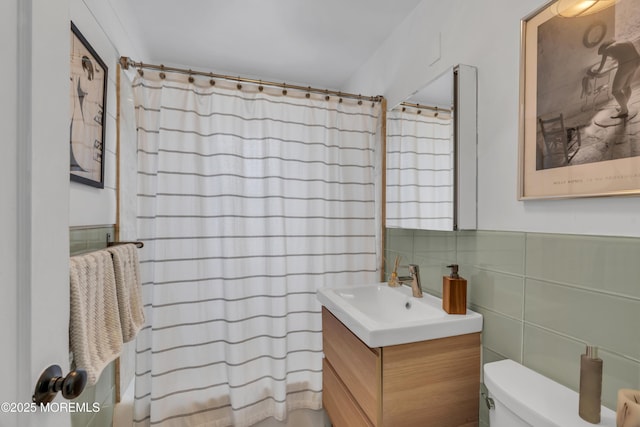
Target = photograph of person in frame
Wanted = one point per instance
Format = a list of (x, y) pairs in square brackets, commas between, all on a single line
[(588, 87)]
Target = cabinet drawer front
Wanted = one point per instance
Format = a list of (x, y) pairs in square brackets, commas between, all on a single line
[(338, 402), (432, 383), (354, 363)]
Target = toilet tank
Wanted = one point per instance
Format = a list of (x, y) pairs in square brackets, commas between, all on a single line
[(522, 397)]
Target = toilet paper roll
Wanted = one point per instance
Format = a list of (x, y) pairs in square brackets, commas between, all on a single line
[(628, 409)]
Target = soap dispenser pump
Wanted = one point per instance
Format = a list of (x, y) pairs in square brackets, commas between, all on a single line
[(454, 292)]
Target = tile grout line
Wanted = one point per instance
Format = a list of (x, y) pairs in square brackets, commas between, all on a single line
[(492, 270), (578, 340), (524, 298), (476, 307), (584, 288)]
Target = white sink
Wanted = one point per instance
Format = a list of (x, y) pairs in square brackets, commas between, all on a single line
[(380, 315)]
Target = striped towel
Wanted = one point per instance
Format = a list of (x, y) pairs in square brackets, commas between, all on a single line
[(129, 289), (95, 334)]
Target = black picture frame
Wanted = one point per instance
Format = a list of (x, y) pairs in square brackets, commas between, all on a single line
[(88, 100)]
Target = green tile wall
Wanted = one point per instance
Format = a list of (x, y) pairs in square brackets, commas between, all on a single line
[(82, 240), (85, 239), (543, 297)]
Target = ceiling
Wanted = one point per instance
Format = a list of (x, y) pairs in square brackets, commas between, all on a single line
[(319, 43), (437, 93)]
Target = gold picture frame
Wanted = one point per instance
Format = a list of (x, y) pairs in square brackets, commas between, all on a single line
[(88, 95), (575, 138)]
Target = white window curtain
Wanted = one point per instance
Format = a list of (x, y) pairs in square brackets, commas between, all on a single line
[(249, 201), (419, 170)]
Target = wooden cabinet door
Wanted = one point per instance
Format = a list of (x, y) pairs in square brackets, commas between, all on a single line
[(339, 403), (433, 383), (354, 363)]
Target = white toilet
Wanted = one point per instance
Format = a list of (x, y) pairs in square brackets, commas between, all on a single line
[(520, 397)]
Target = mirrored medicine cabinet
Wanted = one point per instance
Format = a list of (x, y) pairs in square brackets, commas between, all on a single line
[(431, 148)]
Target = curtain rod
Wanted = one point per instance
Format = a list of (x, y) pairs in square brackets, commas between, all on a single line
[(421, 106), (126, 62)]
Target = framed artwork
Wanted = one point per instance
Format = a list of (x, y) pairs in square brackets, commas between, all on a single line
[(87, 102), (579, 100)]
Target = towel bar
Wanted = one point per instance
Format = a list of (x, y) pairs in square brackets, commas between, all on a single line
[(110, 243), (138, 244)]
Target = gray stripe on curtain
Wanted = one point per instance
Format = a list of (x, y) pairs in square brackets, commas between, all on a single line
[(424, 119), (264, 139), (261, 178), (225, 384), (203, 411), (213, 196), (237, 95), (199, 344), (248, 203), (420, 185), (257, 276), (292, 255), (419, 171), (417, 153), (447, 170), (263, 236), (205, 135), (253, 217)]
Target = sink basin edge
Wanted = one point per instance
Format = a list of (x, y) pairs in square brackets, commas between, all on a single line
[(343, 303)]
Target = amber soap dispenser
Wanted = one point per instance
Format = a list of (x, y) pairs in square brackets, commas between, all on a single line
[(454, 292)]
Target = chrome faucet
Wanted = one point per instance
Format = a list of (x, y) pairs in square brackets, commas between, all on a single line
[(414, 279)]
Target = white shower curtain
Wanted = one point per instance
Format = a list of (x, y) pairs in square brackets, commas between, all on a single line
[(419, 170), (249, 201)]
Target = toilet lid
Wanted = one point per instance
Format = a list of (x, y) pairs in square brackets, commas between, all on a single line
[(535, 398)]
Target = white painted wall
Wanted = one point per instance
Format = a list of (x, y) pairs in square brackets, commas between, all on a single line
[(111, 35), (34, 210), (48, 188), (486, 34), (39, 202), (35, 189), (8, 212), (34, 275)]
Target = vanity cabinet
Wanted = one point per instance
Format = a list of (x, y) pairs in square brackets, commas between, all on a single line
[(427, 383)]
